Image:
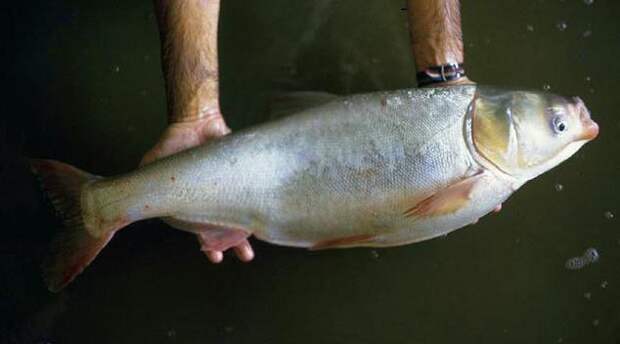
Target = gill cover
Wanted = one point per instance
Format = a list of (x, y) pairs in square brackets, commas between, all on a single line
[(493, 132)]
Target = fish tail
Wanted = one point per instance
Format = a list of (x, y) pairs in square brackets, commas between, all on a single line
[(74, 246)]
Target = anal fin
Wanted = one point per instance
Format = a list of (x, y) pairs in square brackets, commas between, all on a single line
[(343, 242)]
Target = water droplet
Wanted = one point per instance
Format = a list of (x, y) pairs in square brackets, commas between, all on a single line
[(116, 69), (529, 27), (374, 254), (591, 255), (561, 25), (559, 187), (587, 295), (609, 215), (595, 322), (588, 2), (604, 284), (546, 87), (586, 34)]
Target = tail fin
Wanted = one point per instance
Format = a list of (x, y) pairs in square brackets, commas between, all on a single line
[(74, 247)]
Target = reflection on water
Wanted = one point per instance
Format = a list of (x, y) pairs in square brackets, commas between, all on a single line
[(83, 85)]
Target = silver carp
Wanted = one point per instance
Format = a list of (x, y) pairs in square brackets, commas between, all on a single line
[(379, 169)]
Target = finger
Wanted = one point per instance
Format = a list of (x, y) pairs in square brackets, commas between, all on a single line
[(244, 251), (150, 156), (215, 257)]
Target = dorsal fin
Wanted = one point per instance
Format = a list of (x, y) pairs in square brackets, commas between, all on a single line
[(285, 104)]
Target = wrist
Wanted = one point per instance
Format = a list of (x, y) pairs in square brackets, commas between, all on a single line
[(445, 74), (190, 101)]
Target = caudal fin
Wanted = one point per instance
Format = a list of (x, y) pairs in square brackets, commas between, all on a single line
[(73, 247)]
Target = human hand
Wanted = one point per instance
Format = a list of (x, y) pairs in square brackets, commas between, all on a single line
[(183, 135), (180, 136)]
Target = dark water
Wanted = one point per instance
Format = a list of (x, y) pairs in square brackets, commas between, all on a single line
[(82, 84)]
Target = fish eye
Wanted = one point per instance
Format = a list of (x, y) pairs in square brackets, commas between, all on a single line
[(559, 124)]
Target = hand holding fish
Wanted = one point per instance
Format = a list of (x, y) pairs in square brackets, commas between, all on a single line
[(189, 44), (189, 48)]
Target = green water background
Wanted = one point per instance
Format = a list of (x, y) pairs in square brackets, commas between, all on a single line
[(82, 84)]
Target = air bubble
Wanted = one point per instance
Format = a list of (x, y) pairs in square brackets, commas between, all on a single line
[(546, 87), (116, 69), (587, 295), (529, 28), (586, 34), (595, 322), (374, 254), (609, 215), (604, 284), (591, 255), (575, 263), (561, 25), (559, 187), (588, 2)]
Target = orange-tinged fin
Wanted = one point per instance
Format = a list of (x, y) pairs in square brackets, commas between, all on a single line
[(73, 247), (445, 201), (343, 242)]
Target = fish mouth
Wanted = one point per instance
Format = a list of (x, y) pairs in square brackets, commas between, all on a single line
[(590, 128)]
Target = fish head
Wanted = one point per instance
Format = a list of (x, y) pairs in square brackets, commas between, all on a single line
[(527, 133)]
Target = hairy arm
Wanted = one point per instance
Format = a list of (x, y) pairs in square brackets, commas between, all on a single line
[(188, 34), (436, 36)]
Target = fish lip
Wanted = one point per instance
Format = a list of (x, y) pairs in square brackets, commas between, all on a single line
[(590, 131), (590, 128)]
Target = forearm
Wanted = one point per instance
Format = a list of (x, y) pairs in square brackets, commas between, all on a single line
[(436, 36), (188, 32)]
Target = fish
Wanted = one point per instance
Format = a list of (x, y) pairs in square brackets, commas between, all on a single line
[(380, 169)]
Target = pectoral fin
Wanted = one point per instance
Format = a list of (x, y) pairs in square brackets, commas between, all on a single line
[(446, 201), (353, 240)]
